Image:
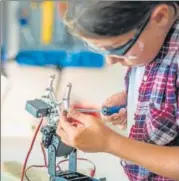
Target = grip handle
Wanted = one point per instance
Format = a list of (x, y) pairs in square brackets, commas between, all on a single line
[(108, 111)]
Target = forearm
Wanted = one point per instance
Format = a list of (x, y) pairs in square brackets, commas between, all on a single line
[(158, 159)]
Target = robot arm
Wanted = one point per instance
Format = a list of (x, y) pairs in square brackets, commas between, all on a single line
[(47, 106)]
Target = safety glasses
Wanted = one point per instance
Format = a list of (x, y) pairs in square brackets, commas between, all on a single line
[(122, 50)]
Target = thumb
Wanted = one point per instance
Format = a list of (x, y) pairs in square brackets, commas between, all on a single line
[(76, 115), (107, 103)]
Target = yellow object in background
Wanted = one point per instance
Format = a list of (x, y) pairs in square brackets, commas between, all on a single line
[(47, 21), (34, 3)]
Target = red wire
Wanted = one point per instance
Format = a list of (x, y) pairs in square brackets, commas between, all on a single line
[(24, 170), (30, 149), (36, 166), (92, 173)]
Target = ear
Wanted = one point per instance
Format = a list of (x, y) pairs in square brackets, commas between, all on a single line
[(161, 15)]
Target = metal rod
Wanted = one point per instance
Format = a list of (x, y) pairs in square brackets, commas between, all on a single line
[(66, 98), (89, 110), (51, 82)]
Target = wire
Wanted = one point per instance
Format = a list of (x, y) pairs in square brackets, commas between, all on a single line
[(33, 166), (38, 166), (93, 171), (30, 149), (24, 170)]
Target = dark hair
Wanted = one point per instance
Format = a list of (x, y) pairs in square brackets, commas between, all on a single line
[(108, 18)]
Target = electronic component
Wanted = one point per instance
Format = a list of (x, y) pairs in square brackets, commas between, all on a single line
[(49, 107), (38, 108)]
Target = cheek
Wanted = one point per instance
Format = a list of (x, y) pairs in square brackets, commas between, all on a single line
[(147, 52), (143, 56)]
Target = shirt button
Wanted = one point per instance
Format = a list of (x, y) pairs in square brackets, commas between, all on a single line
[(145, 78)]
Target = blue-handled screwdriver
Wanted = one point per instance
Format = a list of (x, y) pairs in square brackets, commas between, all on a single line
[(106, 111)]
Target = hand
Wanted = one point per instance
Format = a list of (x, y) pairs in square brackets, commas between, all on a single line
[(118, 118), (91, 135)]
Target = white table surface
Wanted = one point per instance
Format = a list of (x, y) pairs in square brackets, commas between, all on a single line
[(27, 83), (15, 149)]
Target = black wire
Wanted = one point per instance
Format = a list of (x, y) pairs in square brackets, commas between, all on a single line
[(27, 176), (33, 166)]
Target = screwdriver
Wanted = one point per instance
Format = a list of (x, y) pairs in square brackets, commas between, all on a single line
[(106, 111)]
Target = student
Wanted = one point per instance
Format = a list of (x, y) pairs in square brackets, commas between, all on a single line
[(145, 37)]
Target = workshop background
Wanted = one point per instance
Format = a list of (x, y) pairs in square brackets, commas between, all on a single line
[(34, 45)]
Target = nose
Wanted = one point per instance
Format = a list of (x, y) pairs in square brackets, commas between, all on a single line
[(113, 60)]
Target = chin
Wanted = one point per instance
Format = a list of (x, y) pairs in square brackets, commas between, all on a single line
[(139, 63), (134, 65)]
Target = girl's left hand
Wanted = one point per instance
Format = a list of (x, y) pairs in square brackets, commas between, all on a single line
[(91, 135)]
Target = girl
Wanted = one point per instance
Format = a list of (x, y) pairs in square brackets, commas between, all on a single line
[(145, 37)]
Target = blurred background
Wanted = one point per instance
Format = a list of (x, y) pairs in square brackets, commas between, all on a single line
[(35, 44)]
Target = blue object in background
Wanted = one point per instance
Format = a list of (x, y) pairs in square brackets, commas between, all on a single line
[(3, 54), (60, 58), (84, 59), (23, 21), (23, 16)]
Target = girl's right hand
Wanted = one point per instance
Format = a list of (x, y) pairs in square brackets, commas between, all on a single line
[(119, 118)]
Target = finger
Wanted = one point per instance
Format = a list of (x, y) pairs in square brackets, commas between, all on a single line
[(65, 125), (85, 105), (76, 115), (123, 121), (122, 118), (122, 112), (119, 122), (67, 142), (125, 126), (108, 103), (122, 127), (111, 118), (114, 117), (60, 132)]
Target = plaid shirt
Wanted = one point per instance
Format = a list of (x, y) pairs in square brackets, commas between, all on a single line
[(157, 114)]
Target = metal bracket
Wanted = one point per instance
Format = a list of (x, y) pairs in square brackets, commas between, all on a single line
[(49, 107)]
